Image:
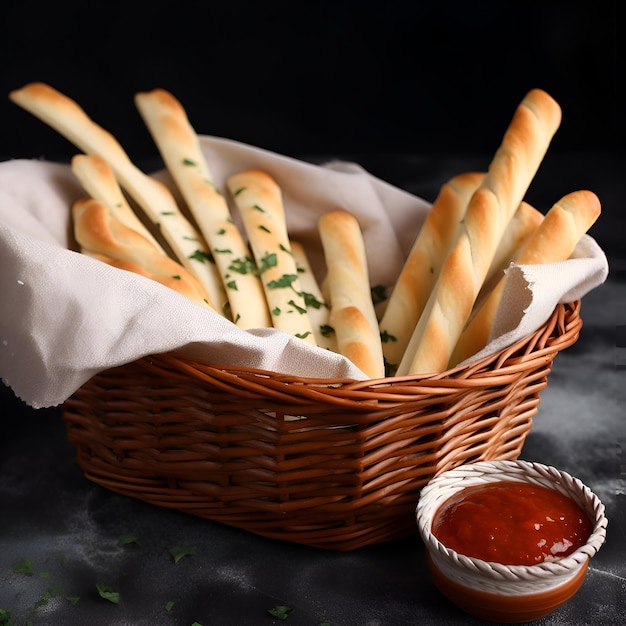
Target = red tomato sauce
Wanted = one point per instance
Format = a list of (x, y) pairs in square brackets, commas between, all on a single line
[(511, 523)]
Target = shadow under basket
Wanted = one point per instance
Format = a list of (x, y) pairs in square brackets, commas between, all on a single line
[(333, 464)]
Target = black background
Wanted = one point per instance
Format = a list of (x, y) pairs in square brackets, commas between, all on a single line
[(317, 77)]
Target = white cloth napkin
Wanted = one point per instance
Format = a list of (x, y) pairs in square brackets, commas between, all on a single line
[(65, 316)]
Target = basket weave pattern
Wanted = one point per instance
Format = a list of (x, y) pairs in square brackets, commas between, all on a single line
[(328, 463)]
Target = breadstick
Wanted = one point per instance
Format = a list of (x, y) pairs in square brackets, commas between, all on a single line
[(102, 235), (69, 119), (421, 268), (179, 147), (98, 180), (554, 240), (317, 307), (259, 201), (524, 222), (352, 312), (490, 209)]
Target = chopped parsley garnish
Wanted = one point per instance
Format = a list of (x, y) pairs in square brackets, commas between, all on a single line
[(298, 308), (126, 540), (23, 567), (238, 191), (385, 337), (269, 260), (286, 280), (169, 605), (311, 301), (222, 251), (256, 207), (232, 284), (242, 266), (379, 294), (280, 611), (303, 335), (264, 229), (107, 593), (179, 552), (200, 255), (326, 330)]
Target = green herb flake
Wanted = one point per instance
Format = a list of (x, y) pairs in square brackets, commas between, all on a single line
[(5, 617), (311, 301), (326, 330), (276, 311), (232, 284), (176, 277), (169, 606), (179, 552), (379, 294), (238, 191), (167, 213), (386, 337), (50, 593), (242, 266), (23, 567), (126, 540), (189, 162), (222, 251), (269, 260), (107, 593), (287, 250), (280, 611), (265, 229), (43, 574), (73, 600), (203, 257), (256, 207), (297, 307), (303, 335), (286, 280), (221, 231)]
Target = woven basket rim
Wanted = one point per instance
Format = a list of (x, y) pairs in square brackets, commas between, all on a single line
[(558, 332), (443, 486)]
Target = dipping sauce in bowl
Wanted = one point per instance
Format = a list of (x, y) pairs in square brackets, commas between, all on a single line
[(513, 523), (509, 541)]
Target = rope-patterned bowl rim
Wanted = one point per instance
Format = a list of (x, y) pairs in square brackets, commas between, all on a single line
[(496, 577)]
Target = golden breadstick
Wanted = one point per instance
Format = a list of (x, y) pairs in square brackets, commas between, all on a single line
[(101, 235), (421, 268), (352, 312), (259, 201), (178, 144), (98, 180), (490, 209), (523, 224), (317, 307), (554, 240), (69, 119)]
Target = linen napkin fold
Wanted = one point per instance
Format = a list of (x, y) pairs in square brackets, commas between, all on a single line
[(65, 316)]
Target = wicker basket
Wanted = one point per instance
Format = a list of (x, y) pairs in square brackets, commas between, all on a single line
[(334, 464)]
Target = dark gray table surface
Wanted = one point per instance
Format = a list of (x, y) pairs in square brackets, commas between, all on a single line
[(70, 529)]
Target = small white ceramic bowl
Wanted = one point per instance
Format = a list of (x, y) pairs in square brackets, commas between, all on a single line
[(507, 593)]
